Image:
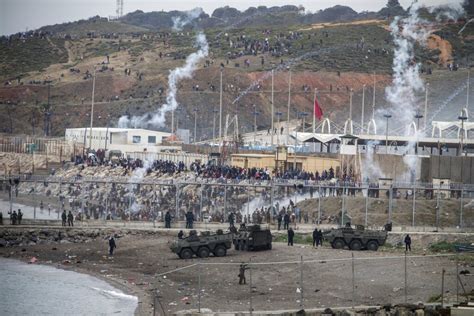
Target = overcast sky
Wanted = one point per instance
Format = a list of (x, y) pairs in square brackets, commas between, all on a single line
[(19, 15)]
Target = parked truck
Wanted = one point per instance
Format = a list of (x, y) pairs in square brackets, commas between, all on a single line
[(203, 245), (355, 239)]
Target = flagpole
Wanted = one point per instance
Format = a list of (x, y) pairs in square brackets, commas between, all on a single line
[(373, 101), (314, 110)]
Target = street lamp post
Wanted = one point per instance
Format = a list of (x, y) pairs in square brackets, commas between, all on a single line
[(214, 124), (195, 124), (255, 114), (304, 115), (387, 116), (92, 109), (418, 116), (462, 117), (278, 114)]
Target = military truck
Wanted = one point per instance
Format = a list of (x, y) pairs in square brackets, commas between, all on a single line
[(252, 238), (216, 243), (356, 239)]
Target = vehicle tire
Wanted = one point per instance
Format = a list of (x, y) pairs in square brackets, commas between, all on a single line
[(355, 245), (269, 246), (203, 252), (186, 253), (220, 251), (338, 244), (372, 245)]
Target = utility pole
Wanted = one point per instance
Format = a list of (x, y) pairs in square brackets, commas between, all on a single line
[(214, 124), (271, 135), (314, 111), (363, 110), (387, 116), (220, 108), (195, 124), (288, 114), (278, 114), (92, 109), (462, 117), (426, 108), (172, 121), (373, 101), (255, 114), (468, 88)]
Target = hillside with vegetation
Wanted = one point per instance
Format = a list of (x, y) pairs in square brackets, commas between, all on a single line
[(333, 50)]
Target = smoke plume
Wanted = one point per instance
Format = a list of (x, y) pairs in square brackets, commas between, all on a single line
[(157, 118), (180, 21)]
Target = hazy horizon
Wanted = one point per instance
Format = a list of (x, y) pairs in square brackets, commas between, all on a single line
[(21, 15)]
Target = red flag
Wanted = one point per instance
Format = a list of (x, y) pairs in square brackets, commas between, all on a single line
[(318, 112)]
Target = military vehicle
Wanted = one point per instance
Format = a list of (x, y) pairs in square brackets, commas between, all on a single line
[(253, 238), (202, 245), (356, 239)]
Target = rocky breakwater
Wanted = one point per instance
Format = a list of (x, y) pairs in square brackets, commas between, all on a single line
[(29, 237)]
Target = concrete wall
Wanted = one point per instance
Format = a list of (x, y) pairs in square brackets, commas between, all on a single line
[(394, 166), (457, 169)]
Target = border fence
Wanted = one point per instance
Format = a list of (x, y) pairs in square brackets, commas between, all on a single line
[(213, 200), (363, 281)]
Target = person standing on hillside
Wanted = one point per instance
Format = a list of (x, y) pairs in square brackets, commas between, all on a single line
[(20, 216), (286, 221), (279, 219), (167, 219), (315, 237)]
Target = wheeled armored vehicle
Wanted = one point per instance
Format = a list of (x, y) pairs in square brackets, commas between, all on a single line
[(355, 239), (252, 238), (203, 245)]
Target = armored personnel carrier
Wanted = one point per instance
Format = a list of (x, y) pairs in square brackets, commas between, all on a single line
[(356, 239), (253, 238), (202, 245)]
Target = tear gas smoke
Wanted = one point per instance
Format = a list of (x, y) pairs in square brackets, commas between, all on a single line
[(157, 118), (180, 21)]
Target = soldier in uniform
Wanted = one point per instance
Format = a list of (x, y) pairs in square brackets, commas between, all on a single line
[(167, 219), (180, 234), (291, 234), (70, 219), (242, 269), (64, 217), (112, 245)]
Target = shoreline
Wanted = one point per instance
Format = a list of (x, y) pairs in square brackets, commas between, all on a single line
[(142, 297)]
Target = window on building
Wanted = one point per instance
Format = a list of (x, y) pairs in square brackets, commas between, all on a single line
[(151, 139), (136, 139)]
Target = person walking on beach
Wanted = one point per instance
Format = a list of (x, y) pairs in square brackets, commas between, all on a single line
[(112, 245), (70, 219)]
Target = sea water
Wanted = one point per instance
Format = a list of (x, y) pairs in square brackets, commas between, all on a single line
[(32, 289)]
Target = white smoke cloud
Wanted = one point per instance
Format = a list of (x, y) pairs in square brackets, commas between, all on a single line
[(157, 118), (370, 168), (450, 11), (179, 22)]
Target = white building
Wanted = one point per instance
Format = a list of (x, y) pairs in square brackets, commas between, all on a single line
[(127, 140)]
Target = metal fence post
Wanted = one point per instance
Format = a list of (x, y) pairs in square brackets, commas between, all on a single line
[(271, 201), (59, 198), (353, 283), (250, 284), (457, 275), (461, 208), (199, 288), (225, 200), (342, 209), (248, 204), (319, 205), (406, 279), (301, 284), (34, 203), (177, 203), (366, 207), (438, 206), (413, 207), (442, 287), (390, 196), (200, 202)]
